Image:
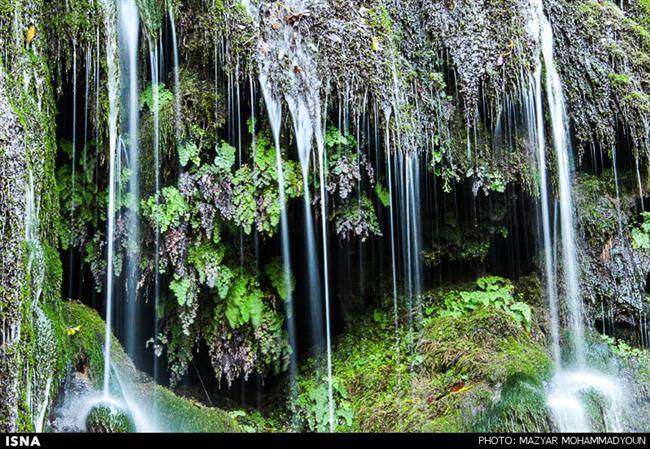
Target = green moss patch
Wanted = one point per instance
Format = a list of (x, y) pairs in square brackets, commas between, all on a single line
[(479, 371)]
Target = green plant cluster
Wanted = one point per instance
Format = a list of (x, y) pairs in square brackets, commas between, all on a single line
[(214, 294), (491, 291), (476, 371), (641, 233), (350, 179)]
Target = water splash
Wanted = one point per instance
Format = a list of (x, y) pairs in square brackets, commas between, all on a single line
[(569, 391)]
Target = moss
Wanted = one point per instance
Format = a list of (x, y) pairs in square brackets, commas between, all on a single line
[(439, 378), (106, 418), (596, 205), (520, 408), (82, 343), (185, 415)]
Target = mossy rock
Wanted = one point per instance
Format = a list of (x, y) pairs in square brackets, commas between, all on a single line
[(82, 333), (451, 375), (108, 418)]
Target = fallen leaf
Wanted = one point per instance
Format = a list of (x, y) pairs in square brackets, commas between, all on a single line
[(31, 33), (73, 330), (457, 387)]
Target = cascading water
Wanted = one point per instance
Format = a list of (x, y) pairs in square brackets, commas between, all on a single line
[(304, 132), (535, 124), (112, 83), (274, 112), (128, 32), (177, 76), (303, 100), (42, 371), (573, 385)]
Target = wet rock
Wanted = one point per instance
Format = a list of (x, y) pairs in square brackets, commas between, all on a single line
[(77, 386), (108, 418)]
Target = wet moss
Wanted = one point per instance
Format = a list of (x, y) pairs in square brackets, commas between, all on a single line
[(442, 378), (106, 418), (83, 342)]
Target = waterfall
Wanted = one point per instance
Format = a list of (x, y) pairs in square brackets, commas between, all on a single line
[(304, 132), (274, 111), (113, 86), (535, 119), (387, 114), (177, 76), (153, 56), (128, 32), (572, 386), (562, 145)]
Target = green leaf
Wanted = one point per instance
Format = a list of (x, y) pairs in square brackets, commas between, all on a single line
[(180, 288), (382, 194), (188, 152)]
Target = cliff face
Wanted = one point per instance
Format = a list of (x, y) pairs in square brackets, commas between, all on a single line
[(440, 78), (30, 277), (12, 276)]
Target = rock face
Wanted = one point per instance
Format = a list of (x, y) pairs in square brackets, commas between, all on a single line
[(12, 233), (30, 273), (443, 77), (76, 387)]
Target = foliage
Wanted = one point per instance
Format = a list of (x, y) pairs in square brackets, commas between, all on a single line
[(255, 188), (313, 404), (357, 218), (440, 378), (244, 302), (217, 297), (624, 350), (167, 209), (275, 272), (349, 171), (383, 195), (641, 234), (147, 97), (492, 291), (188, 152)]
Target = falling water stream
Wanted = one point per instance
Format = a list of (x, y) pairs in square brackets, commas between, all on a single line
[(574, 381), (292, 79), (153, 58), (112, 83), (177, 76), (274, 112), (128, 32)]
